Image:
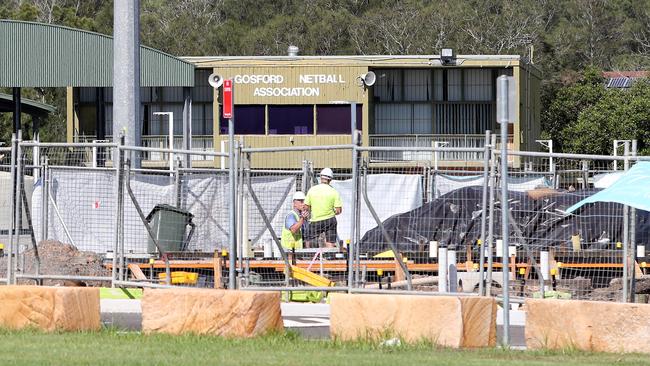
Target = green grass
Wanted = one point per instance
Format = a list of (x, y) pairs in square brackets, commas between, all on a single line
[(111, 347)]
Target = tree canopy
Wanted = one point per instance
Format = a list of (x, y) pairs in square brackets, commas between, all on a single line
[(561, 37)]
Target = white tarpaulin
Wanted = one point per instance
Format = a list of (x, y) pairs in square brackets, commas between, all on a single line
[(389, 194), (605, 180), (447, 183), (86, 204)]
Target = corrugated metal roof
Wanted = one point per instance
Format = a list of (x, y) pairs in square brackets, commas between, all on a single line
[(45, 55)]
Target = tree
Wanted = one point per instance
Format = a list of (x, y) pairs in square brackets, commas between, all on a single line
[(564, 105), (618, 114)]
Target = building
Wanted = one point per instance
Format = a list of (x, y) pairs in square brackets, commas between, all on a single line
[(623, 79), (305, 101)]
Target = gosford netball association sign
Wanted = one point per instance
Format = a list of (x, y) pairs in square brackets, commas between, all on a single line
[(306, 85)]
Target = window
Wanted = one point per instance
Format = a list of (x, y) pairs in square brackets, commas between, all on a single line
[(402, 119), (478, 84), (291, 119), (249, 120), (417, 85), (396, 85), (335, 119), (389, 86), (454, 85)]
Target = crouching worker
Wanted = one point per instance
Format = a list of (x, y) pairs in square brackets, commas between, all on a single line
[(294, 223)]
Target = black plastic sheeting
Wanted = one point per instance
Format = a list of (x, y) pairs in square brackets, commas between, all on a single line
[(454, 220)]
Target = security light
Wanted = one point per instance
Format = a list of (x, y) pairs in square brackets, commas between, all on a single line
[(447, 56)]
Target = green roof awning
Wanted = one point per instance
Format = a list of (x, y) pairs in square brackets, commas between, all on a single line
[(46, 55), (27, 106)]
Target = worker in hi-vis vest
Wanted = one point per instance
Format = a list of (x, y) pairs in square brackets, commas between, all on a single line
[(294, 223), (324, 203)]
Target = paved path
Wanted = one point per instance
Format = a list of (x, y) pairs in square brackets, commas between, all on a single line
[(310, 320)]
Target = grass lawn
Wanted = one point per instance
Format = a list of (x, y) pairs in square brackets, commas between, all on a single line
[(110, 347)]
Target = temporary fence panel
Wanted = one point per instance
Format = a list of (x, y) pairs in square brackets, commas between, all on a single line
[(554, 254), (72, 197), (266, 197), (435, 242)]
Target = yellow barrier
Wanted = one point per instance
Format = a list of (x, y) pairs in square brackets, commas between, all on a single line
[(180, 278), (310, 278)]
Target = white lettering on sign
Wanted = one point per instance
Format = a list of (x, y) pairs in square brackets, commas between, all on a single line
[(321, 79), (281, 91), (258, 79), (286, 92)]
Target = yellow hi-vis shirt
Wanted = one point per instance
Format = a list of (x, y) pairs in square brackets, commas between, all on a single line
[(322, 199)]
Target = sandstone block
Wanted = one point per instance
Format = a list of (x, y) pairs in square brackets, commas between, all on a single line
[(49, 308), (445, 320), (206, 311), (588, 325)]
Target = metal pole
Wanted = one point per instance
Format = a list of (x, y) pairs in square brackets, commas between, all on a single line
[(502, 107), (615, 154), (171, 141), (626, 230), (177, 186), (63, 225), (126, 73), (490, 237), (36, 154), (187, 124), (118, 220), (550, 157), (443, 267), (232, 278), (240, 201), (352, 253), (44, 177), (14, 150), (633, 243), (481, 247), (18, 205)]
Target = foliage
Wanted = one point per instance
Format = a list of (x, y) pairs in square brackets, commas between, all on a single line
[(559, 36), (617, 115)]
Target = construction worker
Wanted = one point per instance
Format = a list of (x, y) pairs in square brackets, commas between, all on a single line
[(324, 203), (294, 222)]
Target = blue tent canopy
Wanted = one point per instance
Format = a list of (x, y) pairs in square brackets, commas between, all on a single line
[(632, 189)]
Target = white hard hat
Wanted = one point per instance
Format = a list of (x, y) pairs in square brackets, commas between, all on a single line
[(327, 173), (299, 196)]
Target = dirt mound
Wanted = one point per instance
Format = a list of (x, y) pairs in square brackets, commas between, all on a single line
[(614, 292), (58, 258)]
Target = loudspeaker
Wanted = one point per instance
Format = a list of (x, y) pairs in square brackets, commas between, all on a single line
[(215, 80), (368, 79)]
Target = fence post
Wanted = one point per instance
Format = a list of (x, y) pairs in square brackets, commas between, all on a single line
[(232, 206), (44, 198), (119, 220), (633, 243), (12, 228), (490, 236), (626, 230), (352, 277), (241, 240), (481, 247)]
